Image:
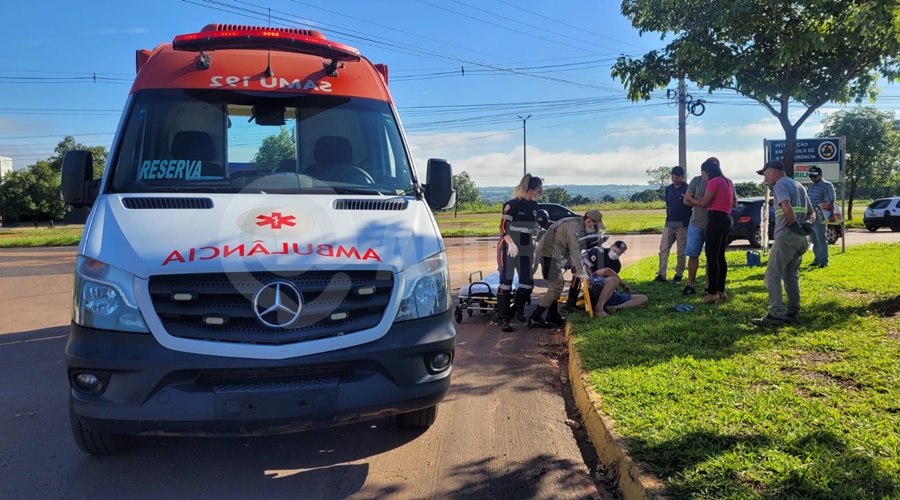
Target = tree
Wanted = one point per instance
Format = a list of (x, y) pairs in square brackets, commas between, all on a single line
[(558, 195), (98, 153), (608, 198), (45, 191), (803, 51), (274, 149), (32, 193), (745, 189), (581, 200), (647, 196), (660, 176), (872, 143), (466, 192)]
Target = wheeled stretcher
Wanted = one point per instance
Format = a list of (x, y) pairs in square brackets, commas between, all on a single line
[(480, 294)]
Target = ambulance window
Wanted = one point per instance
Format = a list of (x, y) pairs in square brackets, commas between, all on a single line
[(230, 141)]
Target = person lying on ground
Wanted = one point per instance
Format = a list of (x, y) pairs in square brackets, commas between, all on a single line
[(605, 295)]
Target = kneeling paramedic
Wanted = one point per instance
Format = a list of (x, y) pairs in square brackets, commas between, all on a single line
[(560, 248)]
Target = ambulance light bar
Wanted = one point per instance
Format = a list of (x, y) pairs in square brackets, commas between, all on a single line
[(225, 36)]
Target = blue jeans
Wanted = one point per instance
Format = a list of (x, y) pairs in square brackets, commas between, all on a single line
[(820, 243)]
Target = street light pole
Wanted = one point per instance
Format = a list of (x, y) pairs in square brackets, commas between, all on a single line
[(524, 145)]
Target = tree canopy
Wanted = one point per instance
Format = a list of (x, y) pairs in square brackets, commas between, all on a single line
[(466, 191), (776, 52), (872, 143), (33, 192), (660, 176), (98, 153), (274, 149)]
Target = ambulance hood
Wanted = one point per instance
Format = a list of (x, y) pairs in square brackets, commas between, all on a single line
[(176, 234)]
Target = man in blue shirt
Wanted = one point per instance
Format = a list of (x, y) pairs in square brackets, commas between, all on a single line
[(678, 215), (821, 195)]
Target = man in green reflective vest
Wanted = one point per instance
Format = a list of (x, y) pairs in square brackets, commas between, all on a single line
[(794, 216)]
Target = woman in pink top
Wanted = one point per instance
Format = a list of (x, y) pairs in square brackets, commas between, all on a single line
[(718, 200)]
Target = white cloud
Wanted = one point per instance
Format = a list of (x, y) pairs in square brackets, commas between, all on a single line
[(623, 165)]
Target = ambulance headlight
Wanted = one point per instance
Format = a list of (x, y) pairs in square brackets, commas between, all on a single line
[(104, 298), (427, 290)]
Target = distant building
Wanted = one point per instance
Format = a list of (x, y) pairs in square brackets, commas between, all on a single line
[(5, 166)]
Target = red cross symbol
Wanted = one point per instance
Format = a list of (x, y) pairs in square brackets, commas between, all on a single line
[(276, 220)]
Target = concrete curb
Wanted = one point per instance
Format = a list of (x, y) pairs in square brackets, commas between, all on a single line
[(632, 482)]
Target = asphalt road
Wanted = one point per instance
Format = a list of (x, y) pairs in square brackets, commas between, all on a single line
[(502, 431)]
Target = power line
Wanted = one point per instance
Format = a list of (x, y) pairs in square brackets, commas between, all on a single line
[(380, 41), (566, 24)]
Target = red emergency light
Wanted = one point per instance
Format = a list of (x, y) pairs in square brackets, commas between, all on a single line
[(231, 36)]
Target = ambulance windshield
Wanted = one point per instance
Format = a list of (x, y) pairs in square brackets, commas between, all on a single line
[(233, 142)]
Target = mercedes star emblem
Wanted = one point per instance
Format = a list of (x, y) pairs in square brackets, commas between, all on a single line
[(277, 304)]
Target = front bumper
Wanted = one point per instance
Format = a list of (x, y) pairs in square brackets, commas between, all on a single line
[(151, 390)]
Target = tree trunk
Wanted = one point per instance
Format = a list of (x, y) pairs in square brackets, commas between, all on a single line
[(790, 149), (849, 214)]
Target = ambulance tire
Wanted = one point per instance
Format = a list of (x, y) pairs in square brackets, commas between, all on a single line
[(97, 442), (418, 419)]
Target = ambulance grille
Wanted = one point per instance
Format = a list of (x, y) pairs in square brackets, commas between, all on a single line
[(167, 203), (370, 204), (333, 304)]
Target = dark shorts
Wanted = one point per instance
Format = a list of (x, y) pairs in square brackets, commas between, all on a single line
[(617, 298)]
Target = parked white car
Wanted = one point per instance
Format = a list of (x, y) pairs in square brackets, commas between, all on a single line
[(883, 212)]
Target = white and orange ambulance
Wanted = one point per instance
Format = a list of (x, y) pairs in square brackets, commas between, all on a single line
[(260, 254)]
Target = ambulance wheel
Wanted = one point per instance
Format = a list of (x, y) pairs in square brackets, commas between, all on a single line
[(458, 315), (97, 442), (418, 419)]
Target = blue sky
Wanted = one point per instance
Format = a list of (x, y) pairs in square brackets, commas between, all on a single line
[(460, 73)]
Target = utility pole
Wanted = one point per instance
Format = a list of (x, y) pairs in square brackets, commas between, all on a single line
[(524, 145), (682, 133)]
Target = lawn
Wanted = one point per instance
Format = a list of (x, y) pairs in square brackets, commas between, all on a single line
[(40, 237), (718, 408)]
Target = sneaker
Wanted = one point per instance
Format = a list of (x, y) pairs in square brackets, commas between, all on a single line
[(769, 320), (504, 325), (689, 290), (677, 279), (792, 319), (659, 279)]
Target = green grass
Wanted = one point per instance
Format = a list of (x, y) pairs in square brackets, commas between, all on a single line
[(40, 237), (718, 408)]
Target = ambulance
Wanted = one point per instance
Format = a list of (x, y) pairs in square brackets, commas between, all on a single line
[(260, 255)]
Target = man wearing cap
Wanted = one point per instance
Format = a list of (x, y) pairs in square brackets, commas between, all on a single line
[(821, 195), (560, 248), (678, 215), (793, 211)]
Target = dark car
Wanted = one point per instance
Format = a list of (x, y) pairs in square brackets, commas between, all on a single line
[(555, 212), (883, 212), (747, 217), (748, 214)]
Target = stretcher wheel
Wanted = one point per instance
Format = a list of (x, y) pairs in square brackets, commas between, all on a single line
[(483, 306), (469, 312), (458, 315)]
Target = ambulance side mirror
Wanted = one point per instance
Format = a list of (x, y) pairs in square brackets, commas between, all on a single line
[(439, 191), (78, 186)]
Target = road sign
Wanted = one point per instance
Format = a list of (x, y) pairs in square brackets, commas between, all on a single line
[(826, 153)]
